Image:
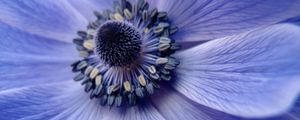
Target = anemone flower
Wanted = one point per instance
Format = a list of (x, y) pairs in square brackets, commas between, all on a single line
[(149, 60)]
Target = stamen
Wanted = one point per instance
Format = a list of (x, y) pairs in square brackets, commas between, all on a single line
[(89, 44), (112, 88), (126, 53), (164, 46), (127, 14), (142, 80), (81, 65), (164, 40), (94, 73), (98, 80), (118, 17), (150, 88), (118, 100), (161, 61), (88, 70), (127, 86), (152, 69)]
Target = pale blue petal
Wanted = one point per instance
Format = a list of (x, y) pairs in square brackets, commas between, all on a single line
[(210, 19), (87, 7), (254, 74), (28, 59), (174, 106), (51, 18)]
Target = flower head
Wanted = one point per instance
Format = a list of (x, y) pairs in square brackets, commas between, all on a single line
[(154, 59), (126, 53)]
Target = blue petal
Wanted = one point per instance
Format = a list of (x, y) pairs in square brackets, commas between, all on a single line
[(28, 59), (51, 18), (174, 106), (86, 109), (254, 74), (66, 100), (87, 8), (210, 19), (39, 102)]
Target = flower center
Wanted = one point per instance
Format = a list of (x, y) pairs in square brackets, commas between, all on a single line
[(126, 52), (118, 43)]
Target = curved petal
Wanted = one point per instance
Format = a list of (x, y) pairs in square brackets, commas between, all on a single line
[(173, 106), (87, 8), (210, 19), (246, 74), (50, 18), (66, 101), (28, 59)]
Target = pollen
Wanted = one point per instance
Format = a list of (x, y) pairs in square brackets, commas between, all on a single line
[(142, 80), (127, 86), (89, 44)]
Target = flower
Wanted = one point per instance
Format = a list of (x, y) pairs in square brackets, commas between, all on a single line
[(238, 59)]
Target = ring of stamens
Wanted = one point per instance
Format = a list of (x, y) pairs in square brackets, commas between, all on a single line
[(126, 53)]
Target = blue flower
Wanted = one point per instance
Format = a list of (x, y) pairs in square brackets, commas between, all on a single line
[(149, 60)]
